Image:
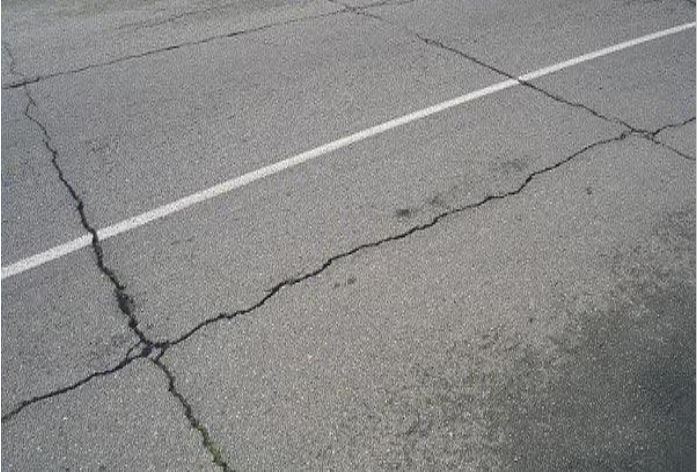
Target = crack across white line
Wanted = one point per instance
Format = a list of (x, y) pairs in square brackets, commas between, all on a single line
[(246, 179)]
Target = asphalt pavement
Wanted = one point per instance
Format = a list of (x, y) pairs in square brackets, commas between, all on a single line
[(450, 235)]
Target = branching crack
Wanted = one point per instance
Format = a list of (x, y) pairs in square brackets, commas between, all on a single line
[(154, 350), (125, 304)]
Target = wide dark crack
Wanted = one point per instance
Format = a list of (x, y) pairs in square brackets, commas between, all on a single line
[(124, 302), (154, 350), (173, 47), (195, 423), (95, 375), (164, 345)]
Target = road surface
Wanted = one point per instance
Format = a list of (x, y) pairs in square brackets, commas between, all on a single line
[(324, 235)]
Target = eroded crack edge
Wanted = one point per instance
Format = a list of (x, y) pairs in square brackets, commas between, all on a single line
[(97, 65), (125, 304)]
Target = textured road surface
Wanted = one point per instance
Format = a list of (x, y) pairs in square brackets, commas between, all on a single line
[(508, 284)]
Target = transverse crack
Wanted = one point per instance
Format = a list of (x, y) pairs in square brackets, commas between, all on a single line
[(173, 47)]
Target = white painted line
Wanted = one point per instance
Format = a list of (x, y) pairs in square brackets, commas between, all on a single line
[(604, 52), (237, 182)]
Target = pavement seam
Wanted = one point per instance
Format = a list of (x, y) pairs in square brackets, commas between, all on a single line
[(124, 301), (173, 47)]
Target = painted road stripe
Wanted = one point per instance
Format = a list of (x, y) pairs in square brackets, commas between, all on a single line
[(237, 182)]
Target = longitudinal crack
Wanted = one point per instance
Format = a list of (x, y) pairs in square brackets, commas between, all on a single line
[(124, 301)]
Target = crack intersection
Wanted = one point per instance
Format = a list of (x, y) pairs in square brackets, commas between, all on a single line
[(649, 135), (124, 302), (153, 350)]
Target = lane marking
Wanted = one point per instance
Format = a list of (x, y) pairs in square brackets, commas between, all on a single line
[(246, 179)]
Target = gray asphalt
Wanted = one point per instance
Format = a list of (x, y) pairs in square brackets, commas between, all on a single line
[(506, 285)]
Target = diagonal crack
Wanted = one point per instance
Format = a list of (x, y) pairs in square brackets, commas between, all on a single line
[(273, 291), (95, 375), (196, 424), (396, 237), (173, 47), (655, 133), (497, 70), (653, 137), (125, 302), (649, 135)]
